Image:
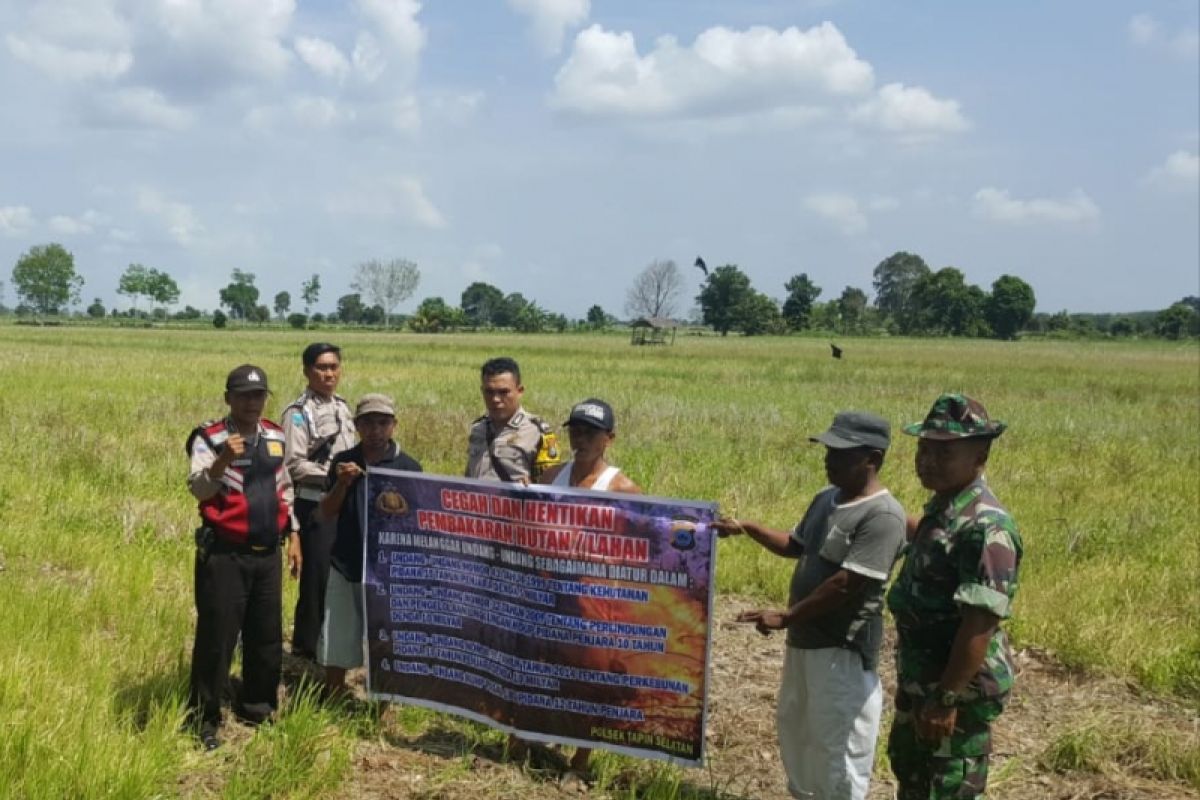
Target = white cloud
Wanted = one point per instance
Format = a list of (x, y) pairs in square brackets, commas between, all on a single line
[(996, 205), (1142, 29), (15, 220), (841, 209), (401, 198), (396, 21), (74, 226), (910, 111), (322, 57), (551, 19), (1185, 45), (69, 64), (1145, 31), (177, 218), (135, 107), (368, 58), (1181, 170), (883, 203), (724, 72), (230, 38)]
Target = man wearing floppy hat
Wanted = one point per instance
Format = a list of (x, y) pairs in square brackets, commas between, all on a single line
[(953, 663), (830, 699), (340, 644), (245, 496)]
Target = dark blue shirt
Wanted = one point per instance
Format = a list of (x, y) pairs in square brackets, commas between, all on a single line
[(347, 555)]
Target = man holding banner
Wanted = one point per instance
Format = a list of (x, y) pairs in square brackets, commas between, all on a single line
[(340, 646), (591, 428), (830, 698)]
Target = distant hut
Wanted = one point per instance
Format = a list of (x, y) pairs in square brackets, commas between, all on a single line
[(653, 330)]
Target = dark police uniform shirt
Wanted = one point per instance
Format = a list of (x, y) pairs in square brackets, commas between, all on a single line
[(347, 556)]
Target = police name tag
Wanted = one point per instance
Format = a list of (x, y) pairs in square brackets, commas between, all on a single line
[(275, 449)]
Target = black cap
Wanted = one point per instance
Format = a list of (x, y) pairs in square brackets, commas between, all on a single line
[(316, 350), (593, 412), (856, 429), (246, 378)]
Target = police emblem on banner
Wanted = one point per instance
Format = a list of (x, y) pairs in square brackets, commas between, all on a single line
[(391, 502)]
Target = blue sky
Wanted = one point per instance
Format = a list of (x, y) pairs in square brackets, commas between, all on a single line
[(556, 147)]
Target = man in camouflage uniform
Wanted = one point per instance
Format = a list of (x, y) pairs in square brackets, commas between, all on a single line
[(316, 426), (953, 663), (507, 443)]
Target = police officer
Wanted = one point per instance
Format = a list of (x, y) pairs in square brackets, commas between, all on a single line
[(507, 443), (317, 426), (238, 475), (954, 669)]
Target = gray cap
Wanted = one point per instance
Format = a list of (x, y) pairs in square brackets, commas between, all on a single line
[(374, 403), (856, 429)]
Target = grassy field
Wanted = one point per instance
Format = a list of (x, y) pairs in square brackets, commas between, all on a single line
[(1100, 470)]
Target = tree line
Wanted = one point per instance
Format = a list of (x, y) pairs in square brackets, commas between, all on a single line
[(910, 299)]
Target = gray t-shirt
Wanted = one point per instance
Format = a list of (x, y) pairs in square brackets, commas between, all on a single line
[(864, 536)]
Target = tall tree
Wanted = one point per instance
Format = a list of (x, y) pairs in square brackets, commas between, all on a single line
[(386, 283), (509, 312), (481, 302), (656, 291), (283, 304), (45, 278), (723, 292), (350, 308), (943, 303), (797, 308), (1178, 321), (852, 308), (310, 292), (162, 288), (134, 282), (894, 280), (757, 314), (597, 318), (1009, 307), (241, 295)]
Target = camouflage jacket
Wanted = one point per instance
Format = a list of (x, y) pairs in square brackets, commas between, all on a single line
[(967, 552)]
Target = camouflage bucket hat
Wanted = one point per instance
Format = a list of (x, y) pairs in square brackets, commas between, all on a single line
[(956, 416)]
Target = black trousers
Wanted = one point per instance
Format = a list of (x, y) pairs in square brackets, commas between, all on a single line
[(316, 544), (237, 591)]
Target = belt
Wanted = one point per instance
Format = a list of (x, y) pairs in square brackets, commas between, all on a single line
[(222, 546)]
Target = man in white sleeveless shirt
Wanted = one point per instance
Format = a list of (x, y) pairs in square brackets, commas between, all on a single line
[(591, 428)]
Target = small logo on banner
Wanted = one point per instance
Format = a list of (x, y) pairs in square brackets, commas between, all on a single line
[(683, 533), (391, 502)]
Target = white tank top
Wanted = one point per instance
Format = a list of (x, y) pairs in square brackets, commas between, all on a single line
[(563, 478)]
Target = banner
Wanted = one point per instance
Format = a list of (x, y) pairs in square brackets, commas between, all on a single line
[(561, 615)]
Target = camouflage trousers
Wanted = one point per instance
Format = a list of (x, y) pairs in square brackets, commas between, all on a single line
[(955, 768)]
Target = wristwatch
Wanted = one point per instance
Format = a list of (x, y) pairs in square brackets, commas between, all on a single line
[(946, 698)]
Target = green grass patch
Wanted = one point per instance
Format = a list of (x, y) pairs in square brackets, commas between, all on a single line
[(1099, 469)]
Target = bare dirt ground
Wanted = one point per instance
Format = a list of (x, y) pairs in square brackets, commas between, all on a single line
[(439, 764)]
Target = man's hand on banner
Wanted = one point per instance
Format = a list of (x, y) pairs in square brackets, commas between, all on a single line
[(727, 526), (764, 621), (347, 473)]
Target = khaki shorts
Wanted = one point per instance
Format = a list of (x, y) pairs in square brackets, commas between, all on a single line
[(343, 632)]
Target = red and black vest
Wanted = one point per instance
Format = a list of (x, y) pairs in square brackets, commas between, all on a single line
[(250, 508)]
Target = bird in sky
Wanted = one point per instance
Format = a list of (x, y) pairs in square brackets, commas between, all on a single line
[(701, 265)]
